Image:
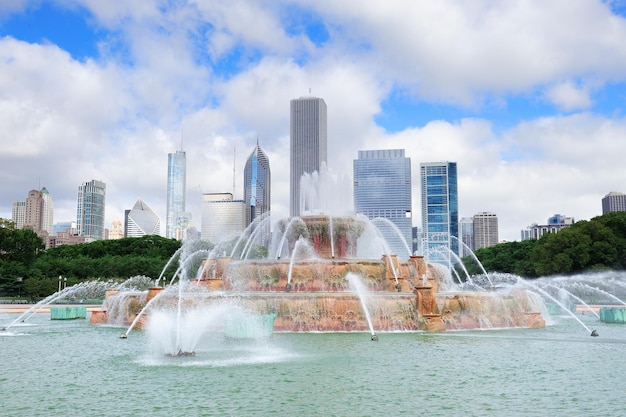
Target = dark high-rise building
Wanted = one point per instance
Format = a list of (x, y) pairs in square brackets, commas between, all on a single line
[(613, 201), (308, 149)]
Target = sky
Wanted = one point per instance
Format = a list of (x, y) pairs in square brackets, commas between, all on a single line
[(527, 97)]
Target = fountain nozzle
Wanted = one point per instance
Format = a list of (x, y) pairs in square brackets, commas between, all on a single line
[(398, 287), (123, 336), (374, 338), (287, 287), (594, 333)]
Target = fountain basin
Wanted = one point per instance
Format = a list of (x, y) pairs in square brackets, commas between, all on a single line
[(613, 314)]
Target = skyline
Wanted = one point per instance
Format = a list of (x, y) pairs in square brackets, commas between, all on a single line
[(530, 110)]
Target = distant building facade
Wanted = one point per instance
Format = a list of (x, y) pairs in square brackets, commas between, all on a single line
[(485, 228), (555, 224), (222, 217), (116, 231), (382, 190), (177, 219), (65, 233), (440, 211), (257, 179), (35, 213), (308, 144), (613, 201), (90, 209), (18, 213), (141, 221), (466, 230)]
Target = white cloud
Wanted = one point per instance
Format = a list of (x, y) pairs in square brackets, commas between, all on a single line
[(115, 117), (566, 96)]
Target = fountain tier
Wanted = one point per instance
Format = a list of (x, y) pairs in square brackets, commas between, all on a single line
[(309, 289)]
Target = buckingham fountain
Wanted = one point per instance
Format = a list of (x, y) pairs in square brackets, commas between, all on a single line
[(317, 280)]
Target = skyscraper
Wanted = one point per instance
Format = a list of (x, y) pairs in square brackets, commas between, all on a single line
[(382, 190), (440, 211), (18, 213), (34, 210), (256, 190), (177, 219), (466, 225), (485, 230), (308, 149), (141, 221), (90, 210), (35, 213), (222, 217), (47, 215), (613, 201)]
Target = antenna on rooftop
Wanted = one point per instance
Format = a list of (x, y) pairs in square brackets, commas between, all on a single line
[(234, 154)]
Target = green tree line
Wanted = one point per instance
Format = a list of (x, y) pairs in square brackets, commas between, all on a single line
[(588, 245), (28, 270)]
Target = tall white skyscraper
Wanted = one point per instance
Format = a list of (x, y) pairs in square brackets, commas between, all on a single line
[(177, 220), (308, 145), (90, 210), (382, 192)]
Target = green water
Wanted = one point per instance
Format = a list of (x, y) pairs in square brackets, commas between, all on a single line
[(69, 368)]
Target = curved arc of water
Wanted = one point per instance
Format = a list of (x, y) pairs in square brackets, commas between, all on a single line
[(186, 260), (284, 236), (361, 290), (177, 253), (482, 268), (396, 230), (570, 294), (248, 246), (545, 293)]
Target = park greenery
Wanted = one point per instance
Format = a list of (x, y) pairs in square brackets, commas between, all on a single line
[(588, 245), (27, 270)]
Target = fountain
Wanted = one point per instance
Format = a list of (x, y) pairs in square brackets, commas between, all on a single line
[(310, 290)]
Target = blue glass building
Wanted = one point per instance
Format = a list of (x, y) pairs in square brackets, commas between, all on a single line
[(440, 211), (257, 179), (177, 219), (90, 210), (382, 190)]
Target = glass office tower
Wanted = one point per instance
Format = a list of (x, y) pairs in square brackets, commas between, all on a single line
[(308, 137), (440, 212), (177, 219), (382, 192), (90, 210), (257, 179)]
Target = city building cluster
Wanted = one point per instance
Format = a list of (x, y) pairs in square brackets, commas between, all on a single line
[(381, 191)]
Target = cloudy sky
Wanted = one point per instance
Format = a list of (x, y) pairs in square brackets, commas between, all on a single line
[(526, 96)]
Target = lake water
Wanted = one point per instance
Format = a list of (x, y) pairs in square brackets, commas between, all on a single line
[(70, 368)]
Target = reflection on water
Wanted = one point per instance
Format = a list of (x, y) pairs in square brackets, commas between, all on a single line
[(61, 368)]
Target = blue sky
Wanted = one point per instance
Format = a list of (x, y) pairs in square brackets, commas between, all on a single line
[(526, 97)]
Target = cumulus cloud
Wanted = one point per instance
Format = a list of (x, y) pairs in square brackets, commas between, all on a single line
[(567, 96), (212, 77)]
